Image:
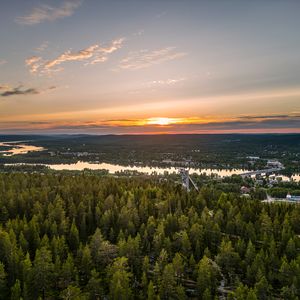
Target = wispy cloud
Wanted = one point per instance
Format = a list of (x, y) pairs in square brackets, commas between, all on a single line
[(72, 56), (90, 55), (4, 87), (269, 117), (2, 62), (20, 90), (42, 47), (146, 58), (34, 63), (139, 32), (44, 13), (166, 82)]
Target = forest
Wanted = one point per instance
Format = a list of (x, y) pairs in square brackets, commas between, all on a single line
[(85, 236)]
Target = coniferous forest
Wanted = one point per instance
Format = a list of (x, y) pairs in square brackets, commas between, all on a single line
[(96, 237)]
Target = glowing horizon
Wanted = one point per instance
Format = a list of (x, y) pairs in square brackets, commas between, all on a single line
[(81, 66)]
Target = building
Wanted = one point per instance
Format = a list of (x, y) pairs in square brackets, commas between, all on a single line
[(245, 190), (253, 157), (274, 163), (290, 197)]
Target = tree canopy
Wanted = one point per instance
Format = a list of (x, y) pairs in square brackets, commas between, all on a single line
[(95, 237)]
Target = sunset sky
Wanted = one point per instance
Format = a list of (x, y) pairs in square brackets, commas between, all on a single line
[(141, 66)]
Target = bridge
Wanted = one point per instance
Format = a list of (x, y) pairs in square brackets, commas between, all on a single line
[(257, 172)]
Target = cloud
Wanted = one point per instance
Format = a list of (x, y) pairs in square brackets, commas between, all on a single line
[(146, 58), (72, 56), (42, 47), (34, 63), (2, 62), (4, 87), (139, 32), (155, 85), (267, 117), (90, 55), (170, 81), (31, 60), (17, 91), (44, 13)]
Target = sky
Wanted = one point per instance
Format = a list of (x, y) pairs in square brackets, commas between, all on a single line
[(144, 67)]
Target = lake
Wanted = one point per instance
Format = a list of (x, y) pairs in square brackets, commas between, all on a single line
[(113, 168), (16, 148)]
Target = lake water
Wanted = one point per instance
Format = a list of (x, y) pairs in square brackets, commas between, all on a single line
[(113, 168), (18, 148)]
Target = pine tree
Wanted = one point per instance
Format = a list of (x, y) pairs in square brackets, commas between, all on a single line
[(72, 293), (73, 237), (262, 289), (151, 293), (168, 283), (119, 287), (16, 291), (42, 272), (207, 276), (3, 282), (95, 286)]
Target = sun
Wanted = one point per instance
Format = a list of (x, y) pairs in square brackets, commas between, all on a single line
[(161, 121)]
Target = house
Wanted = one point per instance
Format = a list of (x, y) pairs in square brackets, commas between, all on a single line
[(274, 163), (245, 190)]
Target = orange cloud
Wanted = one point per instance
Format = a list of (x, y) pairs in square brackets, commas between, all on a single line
[(91, 55)]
